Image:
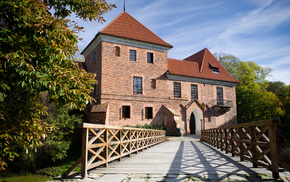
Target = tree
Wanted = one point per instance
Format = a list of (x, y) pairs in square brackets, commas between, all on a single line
[(283, 93), (36, 57), (248, 73), (254, 102), (278, 88)]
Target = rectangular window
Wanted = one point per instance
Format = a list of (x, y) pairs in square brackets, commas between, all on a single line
[(117, 51), (137, 85), (177, 90), (220, 96), (148, 112), (153, 83), (95, 89), (149, 57), (95, 57), (125, 112), (132, 55), (194, 92)]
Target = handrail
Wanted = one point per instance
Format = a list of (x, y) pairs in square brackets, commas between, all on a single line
[(255, 141), (102, 144)]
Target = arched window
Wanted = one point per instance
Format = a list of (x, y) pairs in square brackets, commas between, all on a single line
[(117, 51)]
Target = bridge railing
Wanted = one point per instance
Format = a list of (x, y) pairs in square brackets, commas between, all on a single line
[(255, 141), (102, 144)]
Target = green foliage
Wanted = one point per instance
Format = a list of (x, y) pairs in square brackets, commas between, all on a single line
[(60, 167), (257, 104), (279, 89), (57, 141), (55, 171), (283, 93), (248, 73), (36, 48), (54, 146), (254, 102), (146, 126)]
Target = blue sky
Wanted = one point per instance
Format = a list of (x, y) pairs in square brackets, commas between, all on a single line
[(252, 30)]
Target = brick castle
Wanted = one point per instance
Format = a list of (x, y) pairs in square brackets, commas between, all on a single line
[(139, 84)]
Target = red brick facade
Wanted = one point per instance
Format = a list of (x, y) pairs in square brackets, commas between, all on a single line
[(116, 72)]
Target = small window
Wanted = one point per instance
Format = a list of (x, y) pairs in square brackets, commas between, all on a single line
[(132, 55), (125, 112), (153, 83), (220, 96), (149, 57), (194, 92), (177, 90), (95, 89), (117, 51), (148, 112), (95, 57), (137, 85)]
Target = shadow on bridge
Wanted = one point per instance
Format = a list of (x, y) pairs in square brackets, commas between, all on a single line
[(198, 160)]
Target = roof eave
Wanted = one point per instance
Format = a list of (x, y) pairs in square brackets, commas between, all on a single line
[(169, 45), (177, 77), (98, 39)]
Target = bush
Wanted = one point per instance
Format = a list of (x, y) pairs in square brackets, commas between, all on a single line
[(55, 144), (146, 126)]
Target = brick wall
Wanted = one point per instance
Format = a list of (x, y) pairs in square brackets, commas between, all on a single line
[(115, 75), (95, 67)]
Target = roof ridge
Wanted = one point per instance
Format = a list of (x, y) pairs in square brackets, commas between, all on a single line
[(203, 60), (126, 26), (196, 65)]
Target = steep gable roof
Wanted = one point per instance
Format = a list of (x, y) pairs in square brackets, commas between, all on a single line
[(200, 65), (128, 27)]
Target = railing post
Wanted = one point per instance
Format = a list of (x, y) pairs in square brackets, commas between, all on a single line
[(106, 138), (130, 142), (137, 141), (253, 146), (211, 137), (221, 139), (120, 144), (226, 140), (241, 146), (85, 137), (232, 142), (273, 151), (217, 139)]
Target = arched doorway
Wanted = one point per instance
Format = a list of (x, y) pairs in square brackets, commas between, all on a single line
[(192, 124), (195, 123)]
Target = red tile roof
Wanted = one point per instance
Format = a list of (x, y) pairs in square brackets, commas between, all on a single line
[(128, 27), (199, 65)]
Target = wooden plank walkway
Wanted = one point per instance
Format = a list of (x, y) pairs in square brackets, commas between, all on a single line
[(180, 157), (177, 161)]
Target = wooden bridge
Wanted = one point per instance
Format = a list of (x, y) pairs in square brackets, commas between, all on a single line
[(253, 143)]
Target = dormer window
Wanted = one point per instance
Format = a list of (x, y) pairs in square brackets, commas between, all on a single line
[(214, 69)]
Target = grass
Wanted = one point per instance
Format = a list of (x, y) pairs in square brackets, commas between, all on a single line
[(62, 166)]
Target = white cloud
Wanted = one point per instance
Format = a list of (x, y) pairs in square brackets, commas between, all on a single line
[(263, 18), (247, 29)]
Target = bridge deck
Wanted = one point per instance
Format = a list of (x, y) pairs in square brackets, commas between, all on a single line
[(177, 160)]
